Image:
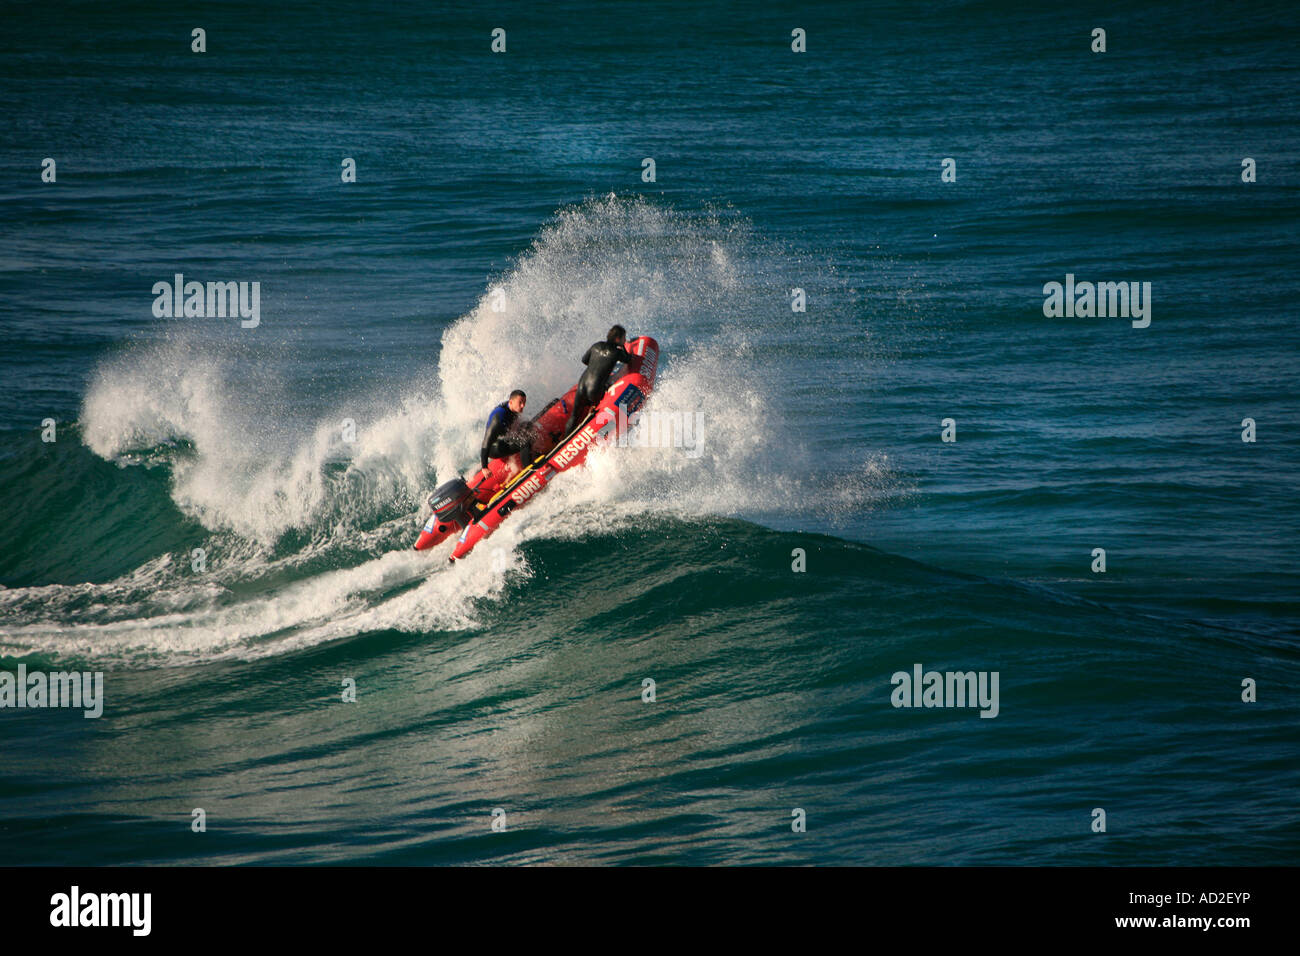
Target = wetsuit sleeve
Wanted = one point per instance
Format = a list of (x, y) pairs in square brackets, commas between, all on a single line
[(623, 355), (494, 431), (586, 356)]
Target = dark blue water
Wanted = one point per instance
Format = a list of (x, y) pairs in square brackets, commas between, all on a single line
[(498, 224)]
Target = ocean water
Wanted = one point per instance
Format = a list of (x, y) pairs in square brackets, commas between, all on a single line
[(498, 224)]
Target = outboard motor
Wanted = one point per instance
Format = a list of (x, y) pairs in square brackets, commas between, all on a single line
[(449, 501), (451, 511)]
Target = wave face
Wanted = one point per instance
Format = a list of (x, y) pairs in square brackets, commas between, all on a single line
[(298, 516), (223, 525)]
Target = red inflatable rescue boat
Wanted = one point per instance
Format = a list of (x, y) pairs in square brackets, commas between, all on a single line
[(477, 510)]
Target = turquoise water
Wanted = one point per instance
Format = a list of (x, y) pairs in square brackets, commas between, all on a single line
[(498, 225)]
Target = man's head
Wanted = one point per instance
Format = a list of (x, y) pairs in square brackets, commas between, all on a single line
[(616, 336), (517, 401)]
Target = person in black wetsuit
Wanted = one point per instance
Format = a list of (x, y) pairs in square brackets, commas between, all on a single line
[(499, 441), (600, 361)]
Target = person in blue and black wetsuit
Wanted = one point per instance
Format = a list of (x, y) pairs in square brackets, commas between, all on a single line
[(501, 438)]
